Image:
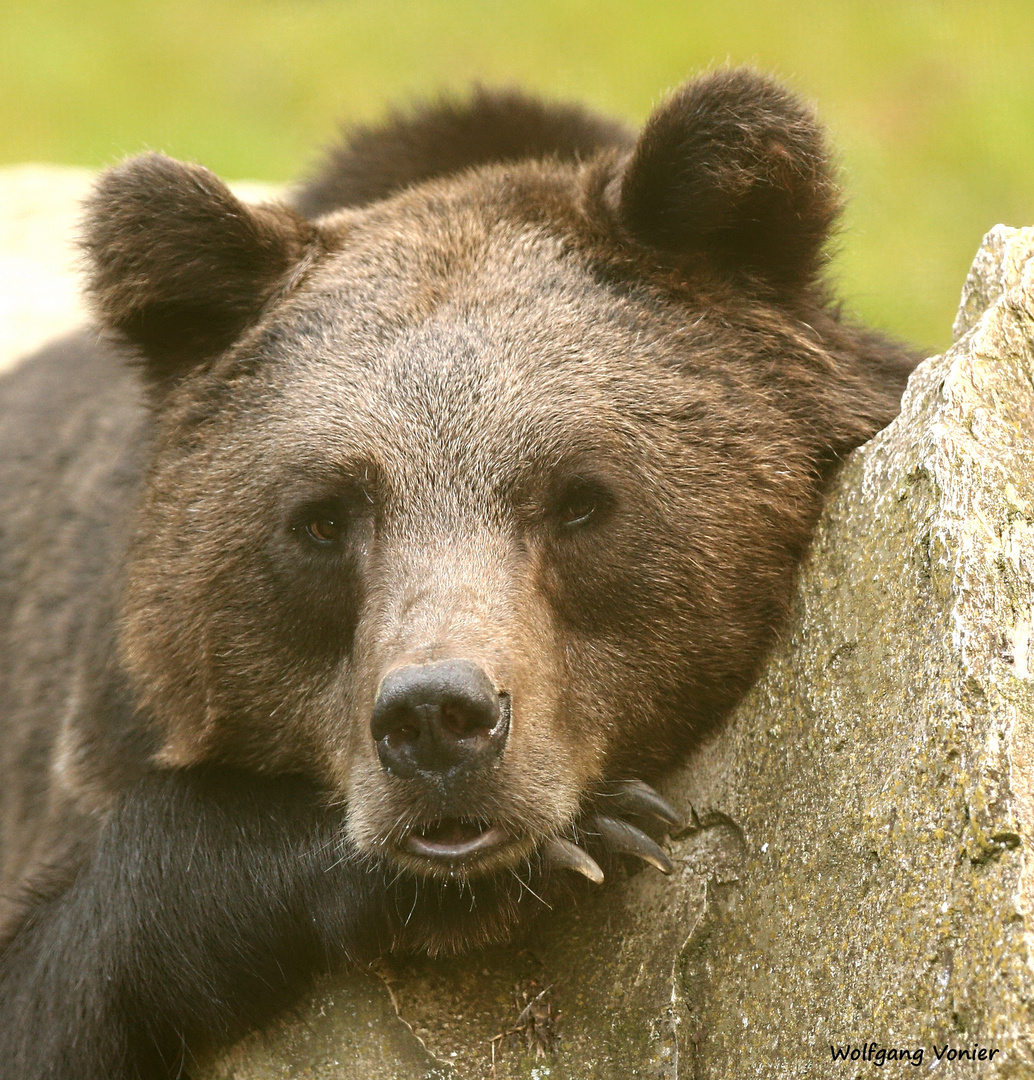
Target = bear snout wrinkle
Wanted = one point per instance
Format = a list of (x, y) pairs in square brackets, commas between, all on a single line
[(442, 720)]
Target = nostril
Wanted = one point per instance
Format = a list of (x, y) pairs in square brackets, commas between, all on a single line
[(456, 721), (437, 718)]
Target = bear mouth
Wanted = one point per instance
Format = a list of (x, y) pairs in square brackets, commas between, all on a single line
[(454, 839)]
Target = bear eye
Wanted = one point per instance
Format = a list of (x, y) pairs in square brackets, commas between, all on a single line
[(327, 522), (324, 523), (325, 530), (580, 502)]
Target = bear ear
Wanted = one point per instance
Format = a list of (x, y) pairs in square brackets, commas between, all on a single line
[(732, 169), (178, 265)]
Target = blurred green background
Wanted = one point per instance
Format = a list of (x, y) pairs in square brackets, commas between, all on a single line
[(931, 103)]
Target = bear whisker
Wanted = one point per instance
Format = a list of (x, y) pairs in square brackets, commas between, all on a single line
[(526, 886)]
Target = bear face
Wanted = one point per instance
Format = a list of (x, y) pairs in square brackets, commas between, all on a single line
[(472, 498)]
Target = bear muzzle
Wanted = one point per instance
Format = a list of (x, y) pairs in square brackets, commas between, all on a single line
[(443, 726), (439, 722)]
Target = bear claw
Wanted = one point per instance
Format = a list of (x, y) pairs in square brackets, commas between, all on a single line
[(568, 856), (639, 798), (625, 796), (628, 840)]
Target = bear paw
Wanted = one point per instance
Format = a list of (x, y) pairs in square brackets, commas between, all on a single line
[(611, 832)]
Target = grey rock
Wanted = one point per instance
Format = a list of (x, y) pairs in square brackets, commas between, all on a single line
[(39, 295), (858, 870)]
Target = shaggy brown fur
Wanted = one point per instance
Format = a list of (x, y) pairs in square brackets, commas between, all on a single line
[(475, 494)]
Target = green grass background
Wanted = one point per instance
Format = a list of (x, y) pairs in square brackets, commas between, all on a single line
[(931, 102)]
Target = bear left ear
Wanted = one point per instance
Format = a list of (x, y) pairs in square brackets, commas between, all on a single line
[(734, 170), (178, 265)]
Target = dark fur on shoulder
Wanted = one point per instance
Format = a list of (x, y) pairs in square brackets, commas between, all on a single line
[(237, 872), (356, 573)]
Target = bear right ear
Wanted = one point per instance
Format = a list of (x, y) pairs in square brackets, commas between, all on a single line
[(178, 265), (732, 170)]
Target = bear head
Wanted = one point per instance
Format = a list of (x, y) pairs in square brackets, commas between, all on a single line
[(482, 483)]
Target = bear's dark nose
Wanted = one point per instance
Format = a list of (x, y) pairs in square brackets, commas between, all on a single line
[(439, 719)]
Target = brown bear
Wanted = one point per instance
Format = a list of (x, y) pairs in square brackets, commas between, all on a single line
[(361, 572)]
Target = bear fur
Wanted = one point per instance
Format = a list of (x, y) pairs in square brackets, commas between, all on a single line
[(509, 398)]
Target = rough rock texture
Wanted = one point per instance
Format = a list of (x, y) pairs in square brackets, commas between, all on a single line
[(859, 868)]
